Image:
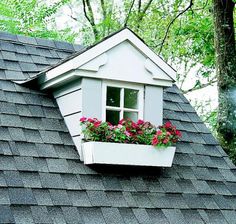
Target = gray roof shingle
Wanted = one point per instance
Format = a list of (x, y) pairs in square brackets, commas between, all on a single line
[(6, 214), (42, 179)]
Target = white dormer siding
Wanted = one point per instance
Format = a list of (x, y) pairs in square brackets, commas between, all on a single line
[(122, 61), (76, 99)]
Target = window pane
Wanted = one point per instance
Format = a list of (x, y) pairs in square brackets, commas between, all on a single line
[(132, 115), (131, 98), (113, 116), (113, 96)]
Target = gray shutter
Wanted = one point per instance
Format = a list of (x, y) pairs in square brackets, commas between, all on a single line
[(153, 104), (92, 98)]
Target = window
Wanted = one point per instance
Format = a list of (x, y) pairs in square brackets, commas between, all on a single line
[(122, 101)]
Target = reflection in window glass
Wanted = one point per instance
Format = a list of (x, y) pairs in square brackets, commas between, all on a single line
[(113, 116), (132, 115), (113, 96), (131, 99)]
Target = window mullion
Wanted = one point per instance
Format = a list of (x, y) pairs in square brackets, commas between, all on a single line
[(113, 108), (140, 103), (122, 103), (131, 110)]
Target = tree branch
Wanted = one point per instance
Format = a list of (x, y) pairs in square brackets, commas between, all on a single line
[(85, 12), (71, 13), (170, 24), (128, 14), (74, 18), (92, 21), (139, 6), (200, 86), (103, 9), (142, 14), (90, 17), (146, 7)]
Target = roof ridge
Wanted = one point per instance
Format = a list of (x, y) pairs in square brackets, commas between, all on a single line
[(38, 41)]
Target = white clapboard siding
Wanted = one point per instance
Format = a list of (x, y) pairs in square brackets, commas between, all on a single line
[(70, 103), (73, 123)]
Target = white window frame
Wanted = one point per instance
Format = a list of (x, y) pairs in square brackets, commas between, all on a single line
[(123, 86)]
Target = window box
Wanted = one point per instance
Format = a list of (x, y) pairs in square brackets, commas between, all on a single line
[(127, 154)]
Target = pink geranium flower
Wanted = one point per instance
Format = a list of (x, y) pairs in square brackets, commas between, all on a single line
[(140, 122), (127, 133), (90, 120), (97, 124), (83, 119), (168, 124), (178, 133), (166, 140), (155, 141)]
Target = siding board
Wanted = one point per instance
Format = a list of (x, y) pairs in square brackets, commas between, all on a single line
[(70, 103)]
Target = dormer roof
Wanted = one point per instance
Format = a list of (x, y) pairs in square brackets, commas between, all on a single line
[(94, 57)]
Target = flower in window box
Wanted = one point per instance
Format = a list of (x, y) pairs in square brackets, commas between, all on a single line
[(127, 131)]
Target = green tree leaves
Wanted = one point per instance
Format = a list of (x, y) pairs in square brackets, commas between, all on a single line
[(31, 18)]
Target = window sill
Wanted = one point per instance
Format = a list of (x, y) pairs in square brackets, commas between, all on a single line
[(127, 154)]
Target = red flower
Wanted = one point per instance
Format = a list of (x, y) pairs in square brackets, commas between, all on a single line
[(122, 121), (140, 122), (127, 133), (128, 129), (140, 132), (155, 140), (91, 120), (166, 140), (168, 124), (134, 125), (83, 119), (159, 132), (97, 124), (178, 133)]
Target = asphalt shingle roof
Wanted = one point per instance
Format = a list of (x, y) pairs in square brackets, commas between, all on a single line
[(42, 179)]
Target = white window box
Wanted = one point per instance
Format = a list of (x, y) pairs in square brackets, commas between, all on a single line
[(127, 154)]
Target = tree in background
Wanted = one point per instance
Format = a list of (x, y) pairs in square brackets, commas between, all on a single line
[(226, 73), (31, 18)]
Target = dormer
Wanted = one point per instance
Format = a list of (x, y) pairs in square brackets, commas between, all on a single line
[(119, 77)]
